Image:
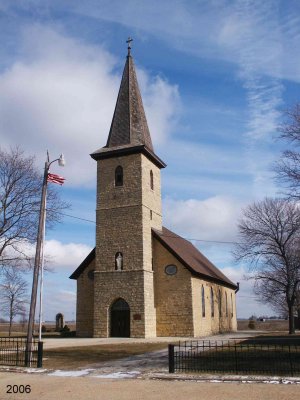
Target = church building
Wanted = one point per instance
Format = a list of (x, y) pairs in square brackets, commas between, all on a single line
[(141, 279)]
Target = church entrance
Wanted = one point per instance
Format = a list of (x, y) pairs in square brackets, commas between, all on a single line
[(120, 319)]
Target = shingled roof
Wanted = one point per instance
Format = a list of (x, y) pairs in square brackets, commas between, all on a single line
[(191, 257), (129, 124), (129, 132)]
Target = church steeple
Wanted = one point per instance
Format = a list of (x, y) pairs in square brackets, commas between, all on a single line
[(129, 132), (129, 124)]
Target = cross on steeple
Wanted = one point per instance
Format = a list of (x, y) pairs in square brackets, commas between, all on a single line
[(128, 41)]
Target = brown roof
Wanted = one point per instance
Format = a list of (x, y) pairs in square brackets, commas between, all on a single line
[(190, 257), (90, 257), (183, 250), (129, 132), (129, 125)]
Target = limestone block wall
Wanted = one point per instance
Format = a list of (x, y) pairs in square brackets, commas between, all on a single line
[(125, 215), (151, 201), (85, 303), (109, 195), (173, 295), (119, 214), (152, 218), (119, 230), (214, 321), (109, 286)]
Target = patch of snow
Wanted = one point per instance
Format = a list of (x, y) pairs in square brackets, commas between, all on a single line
[(118, 375), (35, 370), (82, 372)]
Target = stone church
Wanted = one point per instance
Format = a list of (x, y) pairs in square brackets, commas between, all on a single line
[(141, 279)]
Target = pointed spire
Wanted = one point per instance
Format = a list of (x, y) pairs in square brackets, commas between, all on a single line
[(129, 125), (129, 132)]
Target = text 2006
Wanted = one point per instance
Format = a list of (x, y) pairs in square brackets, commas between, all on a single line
[(18, 389)]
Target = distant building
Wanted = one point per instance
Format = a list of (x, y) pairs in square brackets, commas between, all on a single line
[(142, 280)]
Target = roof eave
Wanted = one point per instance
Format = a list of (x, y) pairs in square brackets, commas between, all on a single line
[(78, 271), (125, 151)]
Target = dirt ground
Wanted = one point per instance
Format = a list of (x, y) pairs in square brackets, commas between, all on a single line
[(44, 387), (135, 377)]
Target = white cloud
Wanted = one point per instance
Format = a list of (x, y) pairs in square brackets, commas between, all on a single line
[(210, 219), (162, 105), (65, 256), (60, 95), (224, 25)]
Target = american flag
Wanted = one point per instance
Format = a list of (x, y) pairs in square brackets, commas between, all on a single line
[(59, 180)]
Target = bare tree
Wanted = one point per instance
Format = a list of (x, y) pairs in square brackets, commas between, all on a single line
[(20, 196), (269, 238), (14, 295), (288, 167)]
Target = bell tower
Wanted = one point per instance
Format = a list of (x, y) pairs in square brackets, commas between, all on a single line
[(128, 207)]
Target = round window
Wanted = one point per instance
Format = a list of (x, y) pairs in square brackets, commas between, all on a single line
[(171, 269)]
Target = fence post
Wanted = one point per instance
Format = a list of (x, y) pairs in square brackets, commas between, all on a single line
[(235, 356), (40, 355), (17, 356), (290, 359), (171, 359)]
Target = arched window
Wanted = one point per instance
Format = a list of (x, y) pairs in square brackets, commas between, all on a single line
[(220, 303), (212, 302), (226, 305), (151, 180), (119, 176), (203, 301), (118, 261)]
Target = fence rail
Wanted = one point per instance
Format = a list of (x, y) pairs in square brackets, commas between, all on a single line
[(235, 357), (13, 352)]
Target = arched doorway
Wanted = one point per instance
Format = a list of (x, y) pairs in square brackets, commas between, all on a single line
[(120, 319)]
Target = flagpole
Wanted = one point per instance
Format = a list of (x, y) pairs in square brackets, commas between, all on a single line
[(37, 260), (42, 276)]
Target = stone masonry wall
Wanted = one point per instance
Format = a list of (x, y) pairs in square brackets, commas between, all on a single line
[(212, 323), (124, 224), (173, 295), (85, 303), (152, 218)]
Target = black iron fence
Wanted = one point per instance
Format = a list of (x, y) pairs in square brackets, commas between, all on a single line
[(235, 358), (13, 352)]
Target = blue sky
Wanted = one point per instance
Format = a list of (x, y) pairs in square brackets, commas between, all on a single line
[(215, 77)]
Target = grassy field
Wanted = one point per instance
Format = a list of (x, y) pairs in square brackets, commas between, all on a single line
[(268, 325), (269, 354), (21, 329), (79, 357), (88, 356)]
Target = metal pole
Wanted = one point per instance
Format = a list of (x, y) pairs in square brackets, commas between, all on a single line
[(42, 276), (40, 355), (171, 358), (37, 263)]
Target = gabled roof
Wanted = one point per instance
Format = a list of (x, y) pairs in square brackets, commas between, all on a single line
[(129, 132), (191, 257), (184, 251), (85, 263)]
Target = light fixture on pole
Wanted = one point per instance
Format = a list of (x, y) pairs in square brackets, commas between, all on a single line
[(39, 250)]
